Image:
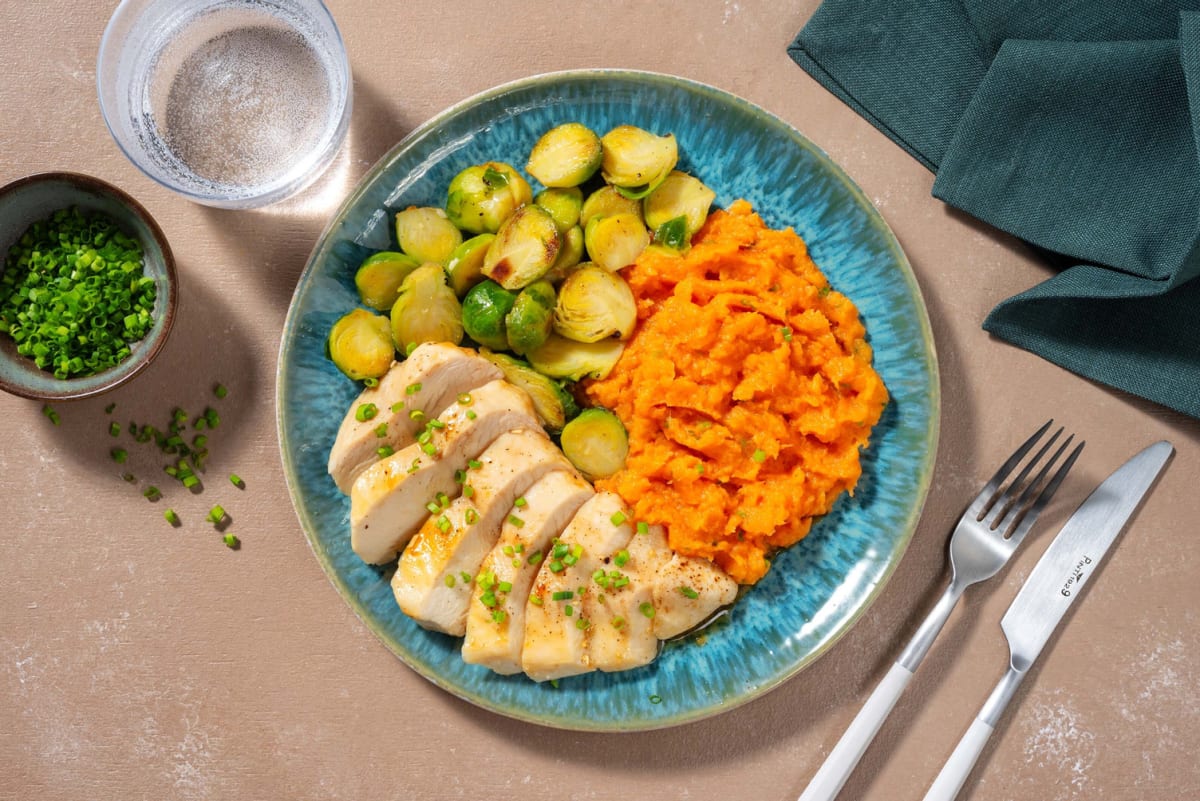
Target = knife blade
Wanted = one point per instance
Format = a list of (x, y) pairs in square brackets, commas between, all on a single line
[(1056, 582)]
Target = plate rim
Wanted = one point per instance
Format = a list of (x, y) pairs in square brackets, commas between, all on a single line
[(932, 371)]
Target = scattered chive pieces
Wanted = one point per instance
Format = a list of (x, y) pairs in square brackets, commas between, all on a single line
[(568, 610), (471, 517), (508, 550), (536, 600), (618, 622), (129, 477), (759, 455), (232, 541), (199, 441), (449, 580), (216, 514), (152, 494), (236, 481), (370, 381), (119, 455), (109, 408), (488, 599), (465, 576), (381, 430), (582, 623), (787, 333), (621, 558), (220, 391), (415, 466), (643, 527), (171, 517), (397, 407), (570, 559), (516, 562), (114, 429), (460, 476), (560, 549), (618, 518), (471, 414), (409, 348), (433, 507), (429, 448), (412, 389), (554, 683), (190, 481), (444, 524), (171, 471), (656, 699), (365, 412), (700, 468), (689, 592), (520, 503), (385, 451), (555, 566), (505, 586), (51, 415), (647, 609), (498, 615), (436, 424), (534, 558), (516, 521), (468, 491), (465, 399), (474, 464), (425, 436), (416, 414)]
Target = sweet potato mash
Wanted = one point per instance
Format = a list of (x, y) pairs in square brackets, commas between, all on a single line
[(747, 392)]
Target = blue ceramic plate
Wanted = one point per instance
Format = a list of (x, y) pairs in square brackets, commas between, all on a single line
[(817, 589)]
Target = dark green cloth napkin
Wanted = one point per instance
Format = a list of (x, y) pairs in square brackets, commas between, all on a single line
[(1074, 125)]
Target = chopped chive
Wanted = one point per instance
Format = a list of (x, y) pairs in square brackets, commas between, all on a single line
[(487, 580), (129, 477), (449, 580), (415, 466), (621, 558), (397, 407), (619, 581), (465, 576), (51, 415), (444, 524), (488, 599), (568, 610), (173, 472), (534, 558), (460, 476), (119, 455), (443, 499), (536, 600), (516, 562), (152, 493), (199, 441), (384, 451), (232, 541), (508, 550), (689, 592), (516, 521), (468, 491), (570, 559), (618, 622), (471, 414), (647, 609), (643, 527), (556, 566), (433, 507), (474, 464), (465, 399), (618, 518), (365, 412), (216, 514), (520, 503), (370, 381), (759, 455), (220, 391), (700, 468), (436, 424), (381, 430), (787, 333), (190, 481), (236, 481), (114, 429), (171, 517), (582, 623), (656, 699), (109, 408), (425, 437), (415, 415), (409, 348), (505, 586), (498, 615), (430, 448), (471, 517), (412, 389), (560, 549)]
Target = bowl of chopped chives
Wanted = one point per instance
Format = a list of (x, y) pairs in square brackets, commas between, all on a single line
[(87, 287)]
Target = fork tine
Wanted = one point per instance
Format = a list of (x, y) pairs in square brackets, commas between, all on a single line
[(1031, 516), (984, 500), (1006, 515), (1005, 503)]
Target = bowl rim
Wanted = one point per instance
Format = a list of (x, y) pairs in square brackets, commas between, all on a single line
[(95, 185)]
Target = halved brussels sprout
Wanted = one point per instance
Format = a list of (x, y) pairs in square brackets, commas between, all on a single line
[(427, 310), (524, 249), (569, 255), (482, 197), (565, 156), (560, 357), (615, 242), (465, 268), (605, 202), (426, 234), (594, 303), (553, 404), (564, 205), (484, 310), (361, 345), (680, 195), (532, 317), (596, 442), (378, 279), (636, 161)]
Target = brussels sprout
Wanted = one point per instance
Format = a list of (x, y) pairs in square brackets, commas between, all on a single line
[(680, 195), (427, 310), (378, 279), (360, 345), (553, 404), (484, 311), (426, 234), (594, 303), (565, 156), (524, 249), (596, 443), (616, 241), (637, 161), (564, 205), (465, 268), (569, 255), (605, 202), (560, 357), (532, 317), (482, 197)]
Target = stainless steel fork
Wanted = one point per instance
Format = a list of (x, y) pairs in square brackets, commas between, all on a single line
[(986, 535)]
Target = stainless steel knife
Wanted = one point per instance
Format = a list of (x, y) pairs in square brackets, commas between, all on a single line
[(1056, 581)]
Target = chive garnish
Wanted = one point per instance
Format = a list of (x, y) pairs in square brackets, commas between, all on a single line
[(171, 517), (119, 455), (759, 455), (220, 391), (364, 412), (618, 518), (689, 592), (232, 542)]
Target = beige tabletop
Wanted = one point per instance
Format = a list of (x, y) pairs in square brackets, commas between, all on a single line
[(138, 661)]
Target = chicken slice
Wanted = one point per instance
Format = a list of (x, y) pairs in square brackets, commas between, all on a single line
[(556, 626), (621, 604), (428, 380), (387, 502), (429, 584), (549, 506), (687, 590)]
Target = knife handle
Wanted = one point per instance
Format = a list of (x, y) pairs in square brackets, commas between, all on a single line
[(837, 767)]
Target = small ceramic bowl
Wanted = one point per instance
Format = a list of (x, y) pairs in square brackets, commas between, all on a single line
[(28, 200)]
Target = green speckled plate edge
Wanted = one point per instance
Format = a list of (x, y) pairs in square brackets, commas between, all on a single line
[(924, 467)]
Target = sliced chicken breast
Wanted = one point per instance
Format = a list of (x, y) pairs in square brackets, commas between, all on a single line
[(429, 380), (388, 500), (431, 583), (687, 591), (496, 633), (557, 628), (621, 604)]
